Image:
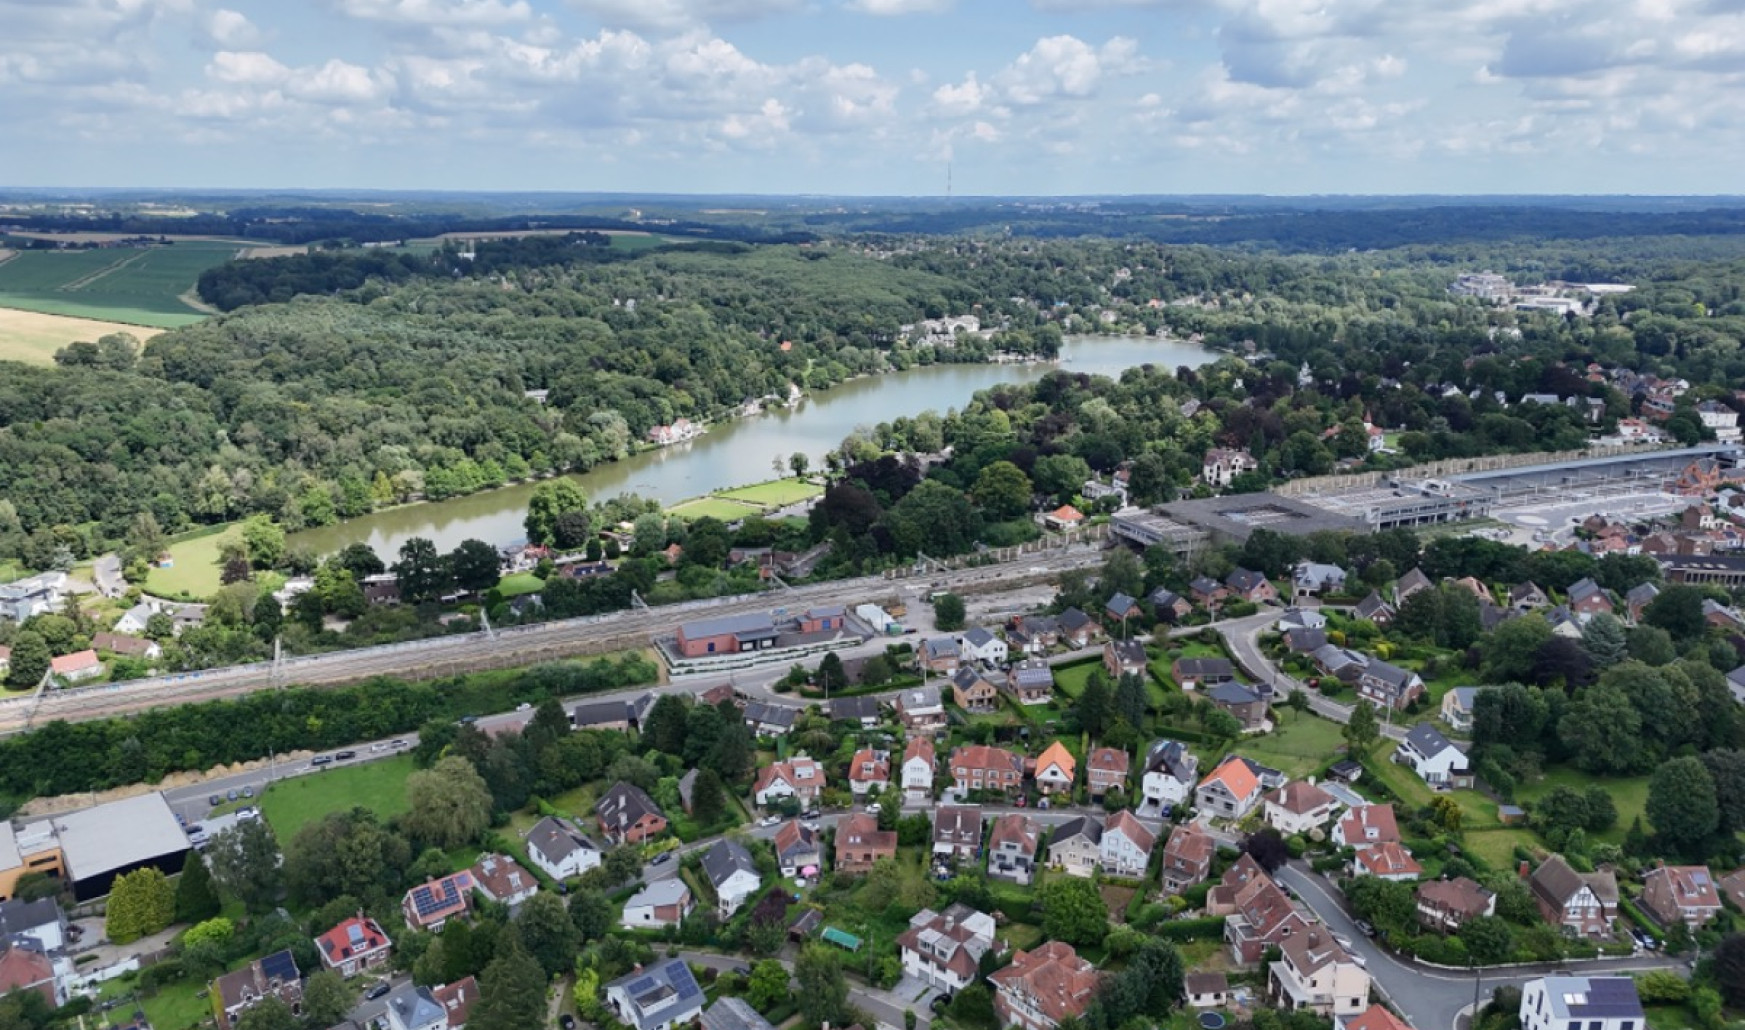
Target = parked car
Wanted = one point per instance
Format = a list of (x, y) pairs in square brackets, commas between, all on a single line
[(232, 795), (381, 987), (343, 755), (1364, 928), (215, 800), (567, 1021), (398, 743), (248, 792), (321, 760), (873, 809), (378, 747), (662, 857)]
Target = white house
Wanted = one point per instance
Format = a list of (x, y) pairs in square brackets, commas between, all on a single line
[(1316, 974), (1230, 792), (1433, 757), (662, 996), (945, 949), (661, 903), (919, 759), (978, 645), (1126, 846), (133, 621), (1591, 1002), (733, 873), (560, 849), (799, 777), (1298, 807), (1168, 780)]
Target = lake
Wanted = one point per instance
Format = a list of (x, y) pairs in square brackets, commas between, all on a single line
[(739, 452)]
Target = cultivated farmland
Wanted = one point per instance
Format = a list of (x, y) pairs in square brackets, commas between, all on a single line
[(33, 337), (138, 286)]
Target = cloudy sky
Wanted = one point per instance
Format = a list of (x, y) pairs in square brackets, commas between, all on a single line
[(878, 96)]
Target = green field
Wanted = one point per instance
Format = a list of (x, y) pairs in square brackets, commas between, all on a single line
[(193, 575), (140, 286), (521, 583), (713, 508), (777, 493), (379, 786), (174, 1007), (1301, 745), (1497, 847), (1629, 794)]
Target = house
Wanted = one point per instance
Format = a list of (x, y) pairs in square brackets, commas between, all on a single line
[(1300, 618), (1444, 906), (1206, 591), (1187, 857), (1303, 640), (979, 645), (1387, 685), (1315, 973), (134, 620), (730, 1013), (429, 905), (1043, 987), (1458, 706), (1638, 599), (1524, 597), (1230, 792), (1012, 847), (797, 848), (733, 875), (355, 946), (1127, 846), (1167, 777), (860, 843), (1076, 846), (1169, 606), (1588, 598), (1386, 861), (919, 760), (1315, 578), (940, 654), (411, 1007), (800, 778), (274, 976), (863, 711), (1433, 757), (921, 710), (1120, 608), (957, 833), (983, 767), (1366, 826), (627, 815), (1124, 658), (1582, 903), (75, 667), (1207, 990), (26, 967), (1593, 1002), (1241, 702), (1409, 584), (945, 949), (1192, 673), (502, 880), (1030, 682), (1221, 899), (1250, 586), (22, 599), (601, 715), (560, 849), (1033, 634), (1056, 769), (42, 921), (869, 768), (770, 720), (1106, 770), (1064, 517), (1222, 465), (661, 903), (1076, 628), (1298, 807), (660, 996), (1262, 916), (1373, 609), (124, 646), (457, 1001), (1680, 894), (973, 692)]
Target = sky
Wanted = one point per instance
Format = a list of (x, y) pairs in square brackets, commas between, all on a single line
[(878, 97)]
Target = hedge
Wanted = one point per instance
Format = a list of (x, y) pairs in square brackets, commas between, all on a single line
[(1182, 930)]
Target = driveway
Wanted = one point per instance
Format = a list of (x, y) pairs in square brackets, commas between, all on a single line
[(367, 1011), (106, 571)]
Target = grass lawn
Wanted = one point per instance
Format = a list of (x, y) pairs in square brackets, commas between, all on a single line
[(1629, 794), (777, 493), (378, 786), (1497, 847), (521, 583), (1668, 1017), (1070, 680), (713, 508), (1478, 810), (193, 574), (174, 1007), (1301, 744), (1021, 936)]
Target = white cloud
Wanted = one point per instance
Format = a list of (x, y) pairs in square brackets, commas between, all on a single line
[(672, 16), (1066, 66), (428, 13), (231, 29), (895, 7)]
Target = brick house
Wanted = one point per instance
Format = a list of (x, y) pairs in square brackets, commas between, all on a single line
[(1585, 903), (1106, 770), (1680, 894), (982, 767), (1445, 905), (1187, 857), (1043, 987), (627, 815), (860, 843)]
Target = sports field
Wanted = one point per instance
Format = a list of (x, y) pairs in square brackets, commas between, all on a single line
[(33, 337), (135, 285), (777, 493)]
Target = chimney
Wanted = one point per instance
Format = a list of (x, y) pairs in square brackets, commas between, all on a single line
[(1524, 871)]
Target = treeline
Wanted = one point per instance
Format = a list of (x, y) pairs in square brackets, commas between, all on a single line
[(67, 758)]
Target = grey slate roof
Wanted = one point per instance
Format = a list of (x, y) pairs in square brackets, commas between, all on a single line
[(20, 916), (756, 625), (725, 858), (854, 708), (556, 839), (1428, 740), (1121, 604), (733, 1014), (1372, 605), (1033, 674), (977, 637), (763, 713), (1198, 667), (1083, 826), (626, 803), (1072, 620), (1169, 756), (1244, 580), (1232, 693), (416, 1006), (600, 713), (1584, 588), (940, 647)]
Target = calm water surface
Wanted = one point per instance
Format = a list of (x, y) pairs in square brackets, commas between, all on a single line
[(740, 451)]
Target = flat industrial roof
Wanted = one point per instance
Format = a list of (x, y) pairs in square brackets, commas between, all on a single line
[(122, 833), (9, 856), (1234, 516)]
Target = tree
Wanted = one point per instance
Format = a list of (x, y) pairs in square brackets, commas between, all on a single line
[(1095, 707), (665, 727), (1267, 847), (30, 659), (326, 999), (421, 572), (733, 754), (265, 541), (768, 985), (140, 904), (1726, 768), (1002, 490), (1131, 699), (1488, 940), (511, 991), (548, 933), (1602, 730), (830, 676), (245, 860), (799, 462), (1387, 905), (823, 990), (268, 617), (1073, 911), (449, 803), (551, 500), (361, 560), (974, 1006), (1651, 645), (475, 566), (1730, 968), (948, 613), (1362, 732), (1678, 610), (1604, 642), (1682, 805), (270, 1013), (1121, 574), (591, 912), (1513, 647), (196, 897), (345, 855)]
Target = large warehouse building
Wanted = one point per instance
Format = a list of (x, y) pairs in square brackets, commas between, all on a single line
[(90, 848)]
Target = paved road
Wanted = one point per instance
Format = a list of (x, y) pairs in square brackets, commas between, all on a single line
[(1243, 638), (1432, 999), (371, 1010)]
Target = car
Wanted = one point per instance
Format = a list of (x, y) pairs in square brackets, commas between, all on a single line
[(1042, 803), (215, 800), (381, 988), (873, 809), (343, 755), (939, 1002), (1022, 801), (468, 720), (742, 970), (664, 856), (567, 1021), (397, 743), (378, 748), (232, 795), (321, 760), (813, 814), (523, 706), (1364, 928), (248, 792), (243, 815), (769, 820), (198, 838)]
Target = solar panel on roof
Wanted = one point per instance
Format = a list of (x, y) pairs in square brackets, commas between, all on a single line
[(1700, 877), (279, 966), (356, 933)]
